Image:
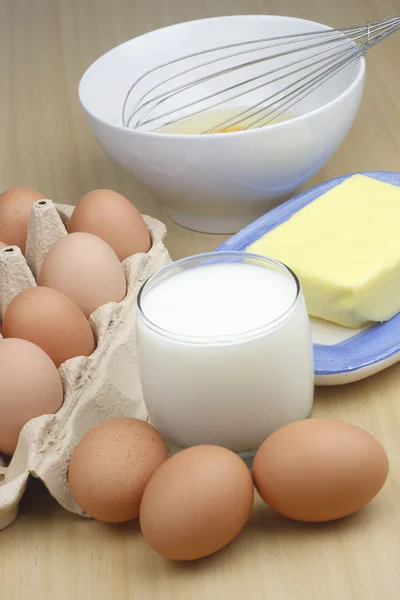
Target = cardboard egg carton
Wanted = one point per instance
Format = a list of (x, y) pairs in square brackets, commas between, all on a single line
[(102, 386)]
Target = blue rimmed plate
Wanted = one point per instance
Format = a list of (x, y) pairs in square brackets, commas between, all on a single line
[(341, 355)]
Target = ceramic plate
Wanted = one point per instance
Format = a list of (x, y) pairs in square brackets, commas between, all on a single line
[(341, 355)]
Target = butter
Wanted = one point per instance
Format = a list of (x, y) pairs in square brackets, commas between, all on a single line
[(345, 249)]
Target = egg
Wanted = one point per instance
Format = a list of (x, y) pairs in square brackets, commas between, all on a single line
[(196, 503), (111, 466), (319, 470), (50, 320), (30, 386), (15, 208), (114, 219), (84, 268)]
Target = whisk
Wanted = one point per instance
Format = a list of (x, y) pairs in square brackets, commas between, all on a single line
[(293, 67)]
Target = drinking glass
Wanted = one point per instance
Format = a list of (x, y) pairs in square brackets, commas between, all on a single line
[(230, 389)]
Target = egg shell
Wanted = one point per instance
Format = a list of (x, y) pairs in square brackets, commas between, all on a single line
[(30, 386), (196, 503), (114, 219), (15, 208), (319, 470), (111, 466), (84, 268), (50, 320)]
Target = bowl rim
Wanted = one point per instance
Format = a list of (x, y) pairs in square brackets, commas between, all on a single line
[(358, 79)]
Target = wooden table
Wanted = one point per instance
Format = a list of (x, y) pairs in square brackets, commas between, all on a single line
[(49, 554)]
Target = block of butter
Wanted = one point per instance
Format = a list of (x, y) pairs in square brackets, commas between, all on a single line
[(345, 249)]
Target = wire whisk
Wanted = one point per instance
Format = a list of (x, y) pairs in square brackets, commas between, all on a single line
[(285, 68)]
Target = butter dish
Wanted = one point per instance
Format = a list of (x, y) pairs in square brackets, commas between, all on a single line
[(341, 355)]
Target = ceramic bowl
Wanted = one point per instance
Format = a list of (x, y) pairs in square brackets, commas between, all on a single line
[(218, 183)]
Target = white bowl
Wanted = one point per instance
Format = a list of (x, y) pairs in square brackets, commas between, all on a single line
[(218, 183)]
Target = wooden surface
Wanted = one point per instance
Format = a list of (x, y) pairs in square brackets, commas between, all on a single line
[(48, 554)]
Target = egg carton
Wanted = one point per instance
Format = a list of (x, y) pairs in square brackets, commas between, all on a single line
[(102, 386)]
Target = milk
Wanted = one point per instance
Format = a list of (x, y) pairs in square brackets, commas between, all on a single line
[(224, 348)]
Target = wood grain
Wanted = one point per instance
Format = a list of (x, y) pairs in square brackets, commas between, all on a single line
[(48, 554)]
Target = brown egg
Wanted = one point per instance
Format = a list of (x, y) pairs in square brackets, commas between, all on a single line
[(319, 470), (15, 208), (196, 503), (50, 320), (86, 269), (30, 386), (114, 219), (111, 466)]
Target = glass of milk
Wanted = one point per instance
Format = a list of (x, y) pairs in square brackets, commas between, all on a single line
[(224, 350)]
